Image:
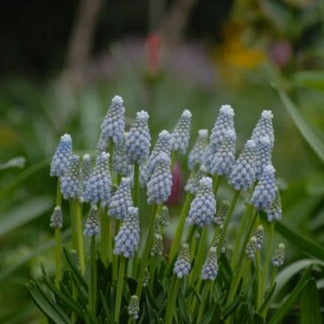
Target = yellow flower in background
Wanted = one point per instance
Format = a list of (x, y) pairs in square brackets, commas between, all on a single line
[(8, 137)]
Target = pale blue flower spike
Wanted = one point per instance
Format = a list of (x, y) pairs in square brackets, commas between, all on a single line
[(138, 141), (242, 176), (279, 256), (224, 159), (182, 265), (263, 155), (210, 267), (159, 186), (203, 207), (198, 151), (259, 234), (98, 186), (128, 237), (192, 184), (56, 221), (62, 156), (120, 161), (121, 200), (264, 128), (208, 157), (181, 133), (265, 191), (274, 213), (113, 124), (71, 186), (92, 225)]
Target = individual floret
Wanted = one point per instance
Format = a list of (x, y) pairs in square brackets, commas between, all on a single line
[(182, 266), (181, 133), (210, 267), (92, 225)]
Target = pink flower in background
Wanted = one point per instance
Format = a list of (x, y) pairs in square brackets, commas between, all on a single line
[(177, 185), (280, 52), (153, 52)]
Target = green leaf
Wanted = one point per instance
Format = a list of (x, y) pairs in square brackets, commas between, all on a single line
[(286, 306), (310, 79), (24, 213), (310, 306)]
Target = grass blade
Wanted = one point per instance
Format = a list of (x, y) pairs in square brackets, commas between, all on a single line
[(310, 306)]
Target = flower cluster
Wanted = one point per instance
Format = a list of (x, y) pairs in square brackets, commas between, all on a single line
[(182, 266), (210, 267)]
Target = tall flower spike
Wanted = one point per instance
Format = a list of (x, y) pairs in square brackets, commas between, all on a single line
[(138, 141), (92, 225), (274, 212), (159, 186), (86, 167), (127, 239), (98, 187), (251, 247), (197, 153), (56, 218), (223, 123), (71, 187), (265, 192), (120, 161), (279, 256), (162, 145), (203, 207), (182, 266), (113, 124), (242, 176), (224, 159), (222, 209), (264, 128), (121, 200), (181, 133), (62, 156), (192, 184), (263, 155), (259, 234), (210, 267), (133, 307)]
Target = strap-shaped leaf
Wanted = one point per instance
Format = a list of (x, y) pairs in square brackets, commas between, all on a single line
[(310, 306)]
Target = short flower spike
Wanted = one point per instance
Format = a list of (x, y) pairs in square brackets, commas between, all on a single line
[(182, 266), (274, 212), (133, 307), (120, 161), (222, 209), (210, 267), (128, 237), (113, 124), (56, 218), (242, 176), (264, 128), (279, 256), (71, 187), (86, 167), (138, 140), (265, 192), (259, 234), (92, 225), (192, 184), (203, 207), (121, 200), (197, 153), (62, 156), (181, 133), (98, 186), (251, 247)]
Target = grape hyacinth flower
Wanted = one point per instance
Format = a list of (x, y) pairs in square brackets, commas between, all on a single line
[(71, 187), (192, 184), (56, 218), (121, 200), (259, 234), (98, 186), (157, 249), (242, 176), (274, 212), (210, 267), (92, 225), (265, 191), (181, 133), (113, 124), (264, 128), (138, 140), (62, 156), (263, 155), (182, 266), (86, 167), (251, 247), (133, 307), (203, 207), (159, 186), (279, 256), (222, 209), (197, 153), (224, 159), (120, 162), (127, 239), (164, 217)]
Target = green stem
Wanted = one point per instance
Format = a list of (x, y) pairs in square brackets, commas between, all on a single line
[(173, 159), (121, 273), (104, 235), (267, 258), (153, 267), (179, 230), (79, 234), (58, 193), (147, 250), (259, 288), (272, 282), (216, 182), (136, 185), (110, 238), (204, 299), (172, 300), (227, 221), (58, 257), (93, 278)]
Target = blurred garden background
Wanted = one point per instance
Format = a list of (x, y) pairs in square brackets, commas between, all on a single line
[(61, 62)]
